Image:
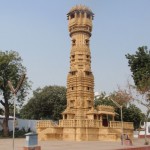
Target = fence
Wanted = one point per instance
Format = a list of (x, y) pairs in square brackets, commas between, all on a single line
[(21, 123)]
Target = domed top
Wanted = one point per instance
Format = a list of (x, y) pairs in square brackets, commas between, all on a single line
[(80, 8)]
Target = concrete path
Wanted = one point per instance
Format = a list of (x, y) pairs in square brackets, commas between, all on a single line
[(7, 144)]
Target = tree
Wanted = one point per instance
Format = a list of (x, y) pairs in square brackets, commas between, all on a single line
[(11, 68), (103, 99), (139, 64), (46, 103), (133, 114), (121, 96)]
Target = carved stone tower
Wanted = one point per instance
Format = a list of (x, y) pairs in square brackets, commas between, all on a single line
[(80, 81), (81, 121)]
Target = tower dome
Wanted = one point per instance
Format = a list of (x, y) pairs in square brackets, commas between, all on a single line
[(82, 9), (80, 19)]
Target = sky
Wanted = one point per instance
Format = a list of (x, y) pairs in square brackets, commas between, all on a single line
[(38, 31)]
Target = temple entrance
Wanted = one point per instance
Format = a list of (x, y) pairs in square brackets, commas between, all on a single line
[(65, 116), (105, 121)]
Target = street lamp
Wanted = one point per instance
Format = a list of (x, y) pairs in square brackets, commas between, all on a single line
[(119, 106), (14, 91)]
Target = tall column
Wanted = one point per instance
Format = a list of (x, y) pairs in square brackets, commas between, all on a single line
[(80, 80)]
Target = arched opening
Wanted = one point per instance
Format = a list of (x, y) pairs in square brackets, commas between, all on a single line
[(88, 16), (87, 42), (72, 16), (73, 42), (65, 116)]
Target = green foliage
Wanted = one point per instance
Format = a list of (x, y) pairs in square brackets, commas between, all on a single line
[(132, 114), (46, 103), (18, 133), (148, 120), (139, 64), (11, 69)]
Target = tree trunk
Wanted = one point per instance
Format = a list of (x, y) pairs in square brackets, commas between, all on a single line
[(5, 121), (146, 141)]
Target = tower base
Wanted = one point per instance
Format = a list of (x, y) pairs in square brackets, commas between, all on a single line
[(83, 130)]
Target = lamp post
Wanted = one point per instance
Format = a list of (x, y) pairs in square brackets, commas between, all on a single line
[(119, 106), (14, 118), (14, 91)]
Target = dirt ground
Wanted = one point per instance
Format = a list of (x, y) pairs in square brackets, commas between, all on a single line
[(7, 144)]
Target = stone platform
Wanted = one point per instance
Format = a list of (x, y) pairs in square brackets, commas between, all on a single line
[(83, 130)]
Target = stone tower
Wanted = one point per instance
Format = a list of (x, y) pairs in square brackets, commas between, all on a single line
[(80, 81)]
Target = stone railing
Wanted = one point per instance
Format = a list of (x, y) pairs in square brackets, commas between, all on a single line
[(83, 123), (128, 125), (118, 124), (46, 124), (80, 123)]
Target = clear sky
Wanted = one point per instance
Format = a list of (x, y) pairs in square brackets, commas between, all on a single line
[(38, 30)]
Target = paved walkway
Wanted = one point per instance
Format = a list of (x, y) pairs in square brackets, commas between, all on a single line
[(7, 144)]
